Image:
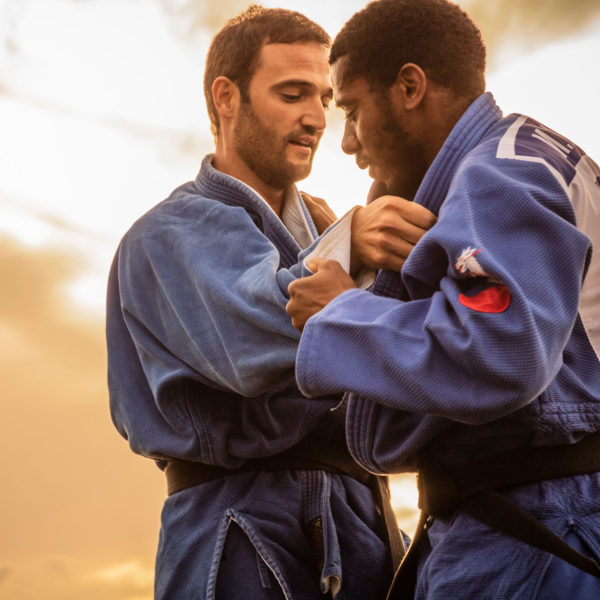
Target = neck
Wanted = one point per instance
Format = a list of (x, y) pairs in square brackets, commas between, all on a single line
[(443, 114), (227, 161)]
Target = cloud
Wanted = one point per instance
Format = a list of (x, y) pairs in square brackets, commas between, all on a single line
[(172, 140), (510, 27), (187, 16), (49, 340), (61, 578), (70, 484), (5, 572), (132, 574)]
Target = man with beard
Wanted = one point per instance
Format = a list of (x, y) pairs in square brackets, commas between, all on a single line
[(264, 499), (477, 365)]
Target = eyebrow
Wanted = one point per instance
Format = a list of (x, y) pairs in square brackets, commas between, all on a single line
[(303, 84)]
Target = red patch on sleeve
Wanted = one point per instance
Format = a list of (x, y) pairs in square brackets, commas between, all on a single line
[(495, 299)]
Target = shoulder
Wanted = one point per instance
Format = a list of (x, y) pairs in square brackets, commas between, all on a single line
[(522, 145), (519, 151), (186, 211)]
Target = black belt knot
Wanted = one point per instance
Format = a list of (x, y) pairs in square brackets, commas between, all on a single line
[(312, 453)]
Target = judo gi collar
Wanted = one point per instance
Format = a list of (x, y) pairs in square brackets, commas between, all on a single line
[(482, 114), (217, 185)]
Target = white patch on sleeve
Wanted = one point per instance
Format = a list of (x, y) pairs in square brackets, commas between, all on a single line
[(506, 148), (585, 197), (467, 263)]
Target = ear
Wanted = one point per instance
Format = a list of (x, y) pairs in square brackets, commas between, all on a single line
[(226, 96), (411, 85)]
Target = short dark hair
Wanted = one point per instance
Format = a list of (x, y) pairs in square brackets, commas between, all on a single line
[(437, 35), (234, 51)]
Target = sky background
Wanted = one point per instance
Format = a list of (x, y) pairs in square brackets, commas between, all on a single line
[(101, 116)]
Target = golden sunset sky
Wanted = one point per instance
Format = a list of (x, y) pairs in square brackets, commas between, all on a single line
[(101, 116)]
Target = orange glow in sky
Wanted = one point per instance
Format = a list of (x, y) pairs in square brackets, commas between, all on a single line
[(102, 115)]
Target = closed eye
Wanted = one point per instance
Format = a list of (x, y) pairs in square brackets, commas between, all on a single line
[(350, 115)]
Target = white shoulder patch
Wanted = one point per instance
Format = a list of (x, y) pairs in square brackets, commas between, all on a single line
[(579, 176)]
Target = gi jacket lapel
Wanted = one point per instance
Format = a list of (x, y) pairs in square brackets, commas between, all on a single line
[(466, 134), (219, 186)]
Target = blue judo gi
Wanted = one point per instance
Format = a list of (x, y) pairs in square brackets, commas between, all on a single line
[(488, 340), (201, 367)]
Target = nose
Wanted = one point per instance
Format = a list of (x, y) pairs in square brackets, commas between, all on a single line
[(315, 116), (350, 144)]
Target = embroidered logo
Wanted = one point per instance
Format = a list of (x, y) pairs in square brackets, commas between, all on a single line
[(467, 263), (495, 298)]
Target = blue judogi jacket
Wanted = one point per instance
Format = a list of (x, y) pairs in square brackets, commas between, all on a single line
[(201, 367), (487, 340)]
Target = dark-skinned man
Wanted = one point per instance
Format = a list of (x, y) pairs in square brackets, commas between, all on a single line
[(477, 364)]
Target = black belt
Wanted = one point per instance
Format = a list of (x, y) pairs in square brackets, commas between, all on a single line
[(473, 490), (309, 454)]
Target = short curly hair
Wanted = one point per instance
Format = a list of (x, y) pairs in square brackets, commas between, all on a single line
[(437, 35), (234, 51)]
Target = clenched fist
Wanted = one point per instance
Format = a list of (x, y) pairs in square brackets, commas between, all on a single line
[(385, 231), (310, 294)]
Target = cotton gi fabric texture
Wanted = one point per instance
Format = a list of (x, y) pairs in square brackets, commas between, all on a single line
[(486, 341), (201, 367)]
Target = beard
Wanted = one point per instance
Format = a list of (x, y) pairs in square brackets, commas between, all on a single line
[(265, 151), (402, 155)]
